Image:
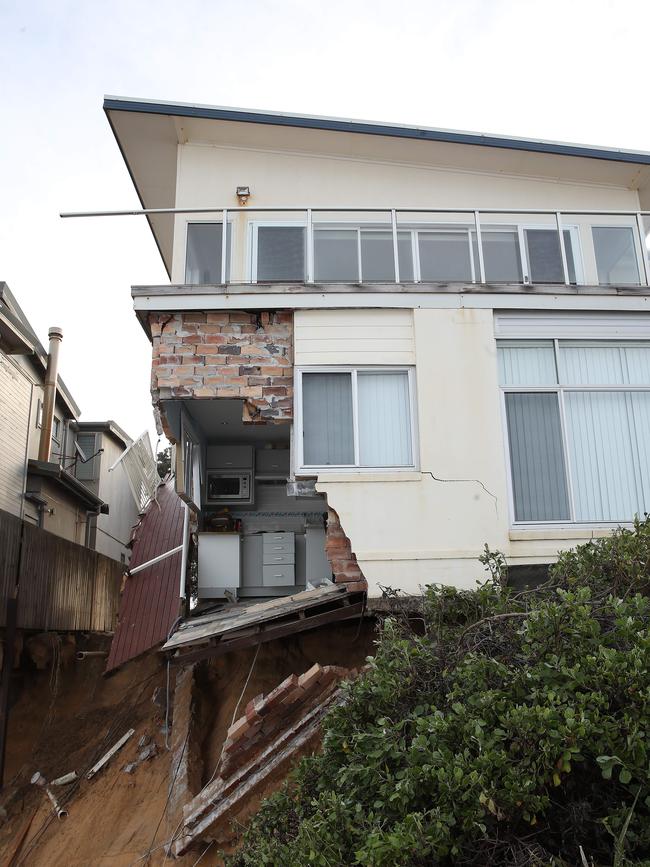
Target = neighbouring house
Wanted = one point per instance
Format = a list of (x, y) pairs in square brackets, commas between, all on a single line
[(382, 347), (70, 491)]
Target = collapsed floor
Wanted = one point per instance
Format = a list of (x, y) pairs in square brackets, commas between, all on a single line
[(67, 715)]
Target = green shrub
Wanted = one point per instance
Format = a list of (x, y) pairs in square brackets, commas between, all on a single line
[(509, 729)]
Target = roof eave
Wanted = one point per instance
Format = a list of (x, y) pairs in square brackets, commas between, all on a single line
[(332, 124)]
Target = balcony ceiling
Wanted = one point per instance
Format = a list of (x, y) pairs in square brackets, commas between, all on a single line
[(148, 134)]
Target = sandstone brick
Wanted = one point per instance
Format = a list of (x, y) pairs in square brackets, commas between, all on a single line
[(194, 317), (294, 696), (274, 390), (238, 729), (220, 318), (357, 586), (310, 677)]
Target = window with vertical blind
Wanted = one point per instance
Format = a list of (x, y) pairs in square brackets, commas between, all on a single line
[(578, 429), (356, 418)]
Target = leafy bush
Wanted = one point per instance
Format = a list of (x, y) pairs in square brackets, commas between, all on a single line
[(497, 729)]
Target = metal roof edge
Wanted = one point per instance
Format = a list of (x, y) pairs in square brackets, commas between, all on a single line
[(333, 124), (108, 426), (53, 471)]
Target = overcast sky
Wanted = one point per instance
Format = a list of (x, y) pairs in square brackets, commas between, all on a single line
[(569, 70)]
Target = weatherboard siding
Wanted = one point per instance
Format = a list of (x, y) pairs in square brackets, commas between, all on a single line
[(354, 337), (15, 405)]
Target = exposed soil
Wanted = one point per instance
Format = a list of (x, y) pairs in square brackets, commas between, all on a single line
[(66, 716)]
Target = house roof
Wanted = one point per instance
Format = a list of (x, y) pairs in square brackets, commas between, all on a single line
[(25, 342), (371, 127), (56, 473), (109, 427), (151, 600), (148, 133)]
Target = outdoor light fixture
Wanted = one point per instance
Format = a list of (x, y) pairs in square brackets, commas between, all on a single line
[(243, 194)]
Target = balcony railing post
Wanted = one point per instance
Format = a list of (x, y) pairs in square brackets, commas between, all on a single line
[(224, 246), (479, 244), (644, 249), (393, 220), (310, 247), (560, 234)]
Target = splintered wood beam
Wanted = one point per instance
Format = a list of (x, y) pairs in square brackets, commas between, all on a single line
[(224, 646), (109, 755)]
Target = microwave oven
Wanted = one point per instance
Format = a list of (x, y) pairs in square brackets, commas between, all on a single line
[(229, 486)]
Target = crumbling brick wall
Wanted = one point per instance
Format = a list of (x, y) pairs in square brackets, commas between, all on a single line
[(231, 354), (343, 560)]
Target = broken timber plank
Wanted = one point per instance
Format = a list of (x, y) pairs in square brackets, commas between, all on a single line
[(109, 755), (269, 634), (251, 614)]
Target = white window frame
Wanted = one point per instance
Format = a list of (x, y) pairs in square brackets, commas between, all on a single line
[(303, 469), (574, 233), (638, 251), (196, 474), (251, 255), (414, 229), (561, 390), (229, 245)]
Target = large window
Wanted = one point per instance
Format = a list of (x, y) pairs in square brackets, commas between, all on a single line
[(354, 418), (204, 247), (578, 429), (426, 253), (616, 257)]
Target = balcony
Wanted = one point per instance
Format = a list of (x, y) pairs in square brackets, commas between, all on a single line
[(508, 250)]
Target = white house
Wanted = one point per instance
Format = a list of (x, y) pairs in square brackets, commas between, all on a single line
[(407, 343)]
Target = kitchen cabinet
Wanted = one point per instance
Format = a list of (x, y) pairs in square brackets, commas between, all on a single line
[(225, 457), (219, 564), (272, 463)]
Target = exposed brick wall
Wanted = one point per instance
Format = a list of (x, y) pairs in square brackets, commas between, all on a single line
[(245, 355), (339, 552), (275, 731)]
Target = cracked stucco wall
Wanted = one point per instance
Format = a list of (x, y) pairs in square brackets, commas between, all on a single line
[(409, 529)]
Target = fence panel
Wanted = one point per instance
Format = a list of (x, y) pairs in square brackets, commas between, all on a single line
[(63, 586)]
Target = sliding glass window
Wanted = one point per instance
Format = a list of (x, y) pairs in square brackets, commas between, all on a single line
[(356, 418), (578, 429), (203, 255)]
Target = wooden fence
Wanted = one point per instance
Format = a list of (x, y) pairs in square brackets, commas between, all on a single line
[(63, 586)]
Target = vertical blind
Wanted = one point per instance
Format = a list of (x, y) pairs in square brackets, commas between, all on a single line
[(384, 419), (379, 408), (605, 441), (328, 432)]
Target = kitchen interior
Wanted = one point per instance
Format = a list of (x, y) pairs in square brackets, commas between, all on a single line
[(255, 540)]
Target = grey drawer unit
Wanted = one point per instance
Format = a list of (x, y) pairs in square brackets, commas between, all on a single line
[(278, 559), (278, 576), (229, 457), (272, 557), (281, 538)]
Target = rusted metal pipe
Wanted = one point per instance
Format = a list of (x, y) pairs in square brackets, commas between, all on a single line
[(82, 654), (55, 335)]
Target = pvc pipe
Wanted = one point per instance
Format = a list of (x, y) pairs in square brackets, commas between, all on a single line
[(82, 654)]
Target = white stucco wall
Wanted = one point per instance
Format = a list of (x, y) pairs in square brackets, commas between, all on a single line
[(409, 529), (209, 174)]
